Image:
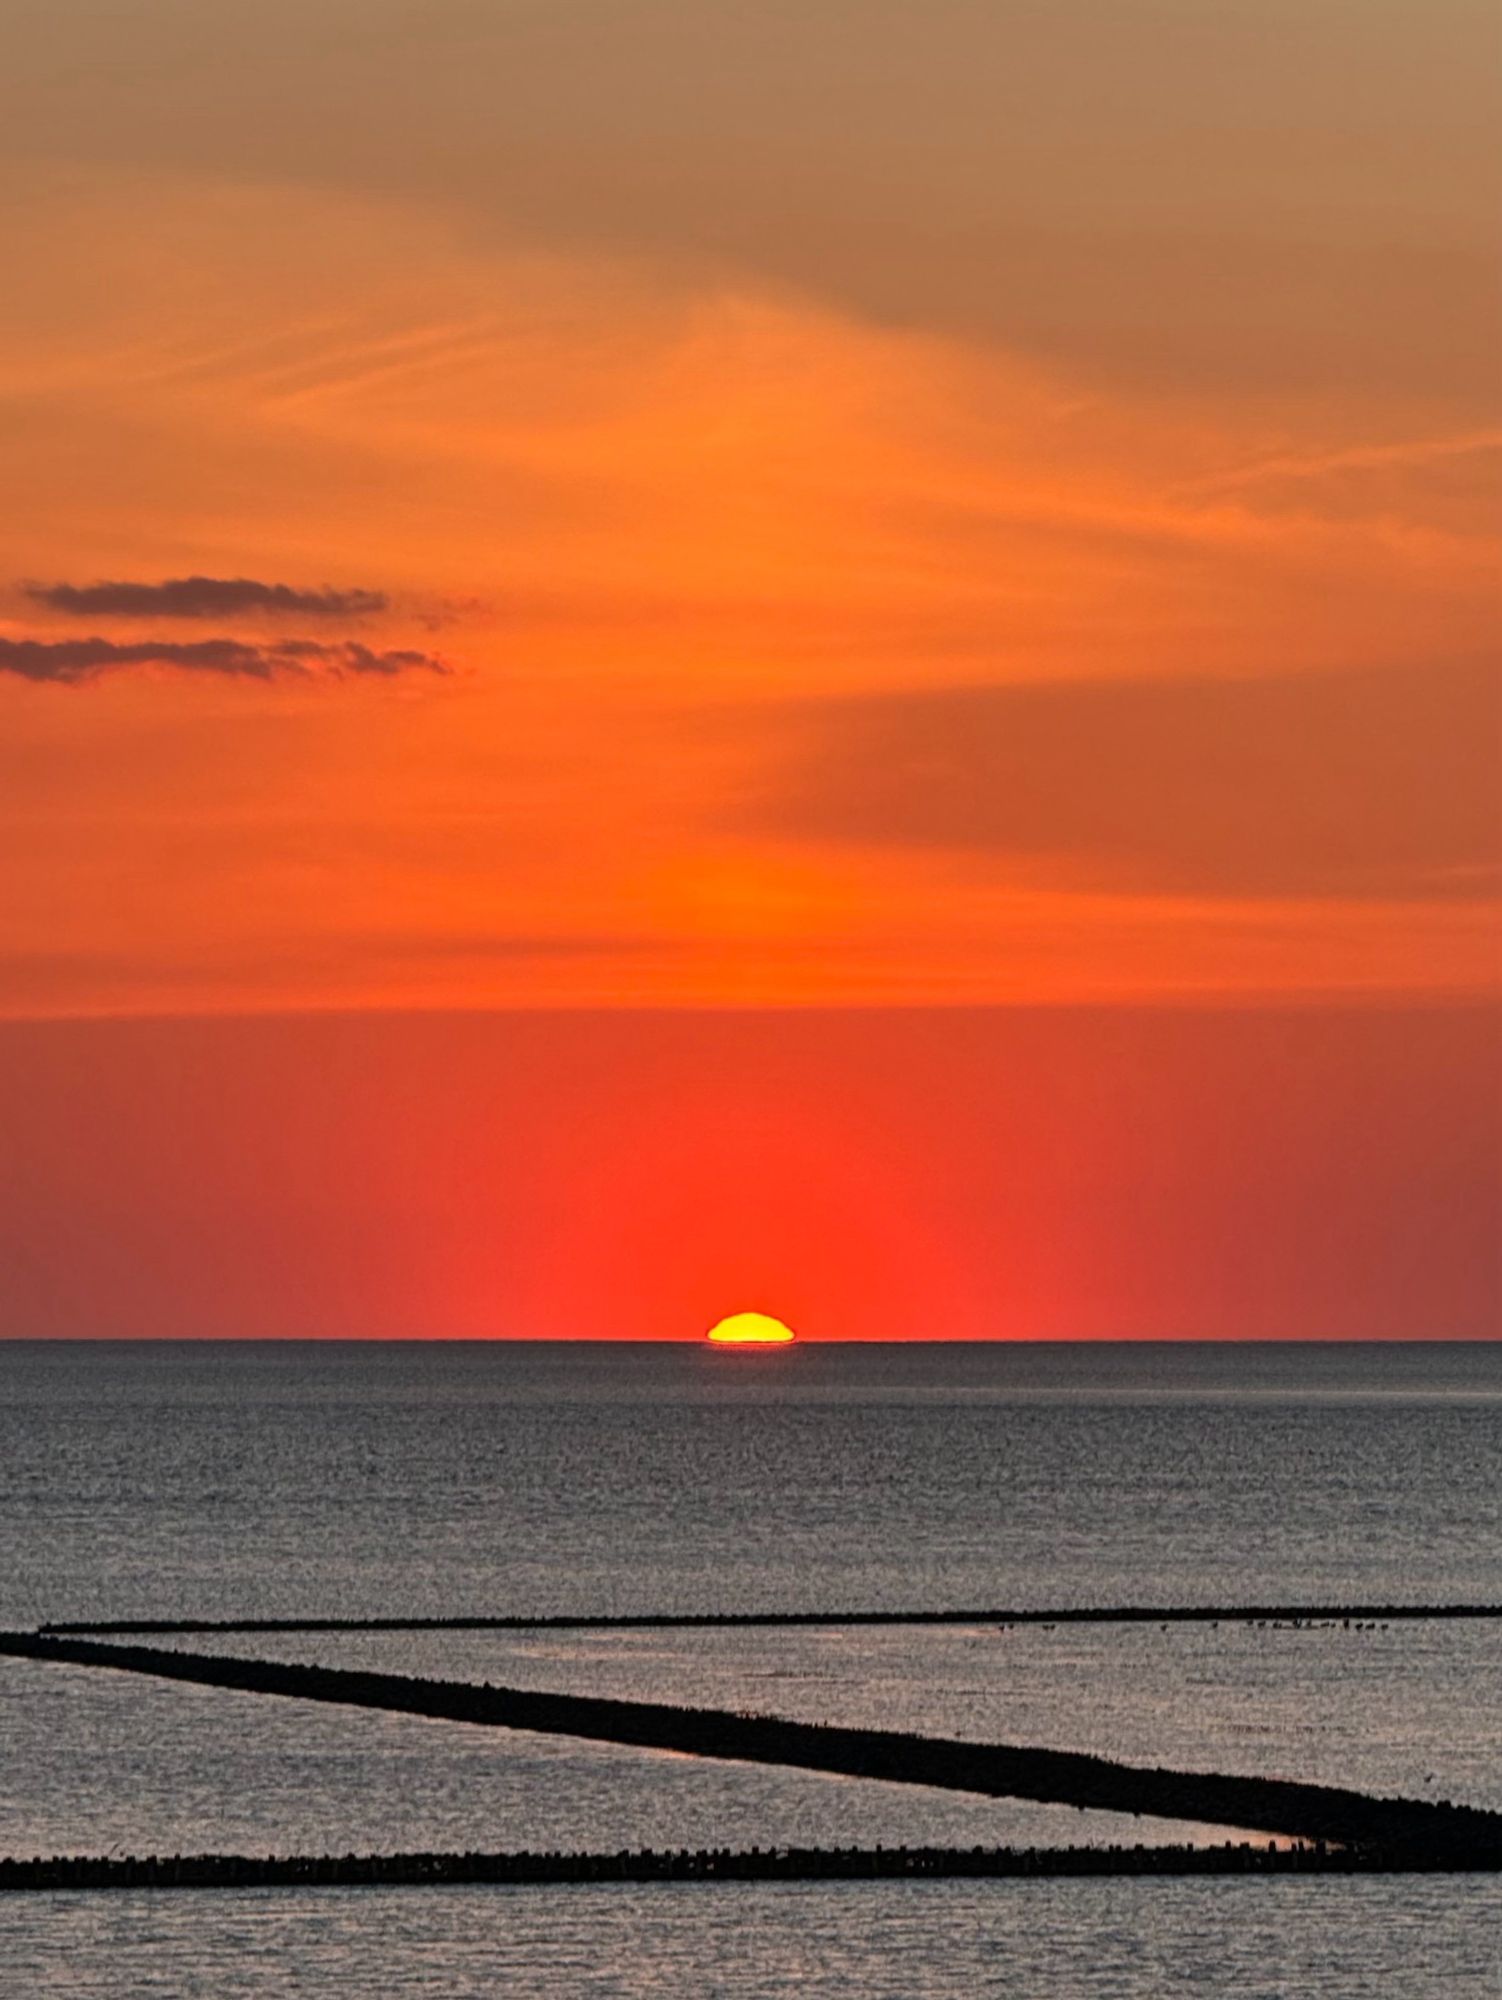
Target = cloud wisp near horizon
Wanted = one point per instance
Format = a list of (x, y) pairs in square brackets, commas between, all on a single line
[(1371, 783)]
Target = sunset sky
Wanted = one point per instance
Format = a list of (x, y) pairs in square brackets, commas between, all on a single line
[(666, 656)]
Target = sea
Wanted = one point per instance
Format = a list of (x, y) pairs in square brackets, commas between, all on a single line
[(218, 1480)]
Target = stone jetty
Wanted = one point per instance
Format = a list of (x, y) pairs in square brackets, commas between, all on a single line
[(713, 1864), (1424, 1832), (1288, 1616)]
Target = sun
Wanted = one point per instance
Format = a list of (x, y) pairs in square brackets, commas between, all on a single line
[(751, 1330)]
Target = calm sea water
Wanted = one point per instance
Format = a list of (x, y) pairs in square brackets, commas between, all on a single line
[(1110, 1940), (287, 1479)]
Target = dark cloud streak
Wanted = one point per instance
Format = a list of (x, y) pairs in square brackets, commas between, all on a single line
[(66, 662), (203, 597)]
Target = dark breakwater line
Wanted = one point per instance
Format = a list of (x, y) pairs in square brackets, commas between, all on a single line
[(715, 1864), (1281, 1806), (1115, 1614)]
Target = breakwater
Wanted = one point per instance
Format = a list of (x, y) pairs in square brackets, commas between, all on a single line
[(1109, 1614), (1421, 1830), (714, 1864)]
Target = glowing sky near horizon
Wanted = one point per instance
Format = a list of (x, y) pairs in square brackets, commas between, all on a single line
[(631, 506)]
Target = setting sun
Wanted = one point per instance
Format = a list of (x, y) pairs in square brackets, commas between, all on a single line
[(751, 1330)]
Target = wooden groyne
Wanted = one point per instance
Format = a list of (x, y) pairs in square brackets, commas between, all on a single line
[(1288, 1615), (714, 1864), (1459, 1835)]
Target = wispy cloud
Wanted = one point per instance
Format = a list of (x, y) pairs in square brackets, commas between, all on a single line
[(68, 661), (203, 597), (1289, 466), (1364, 783)]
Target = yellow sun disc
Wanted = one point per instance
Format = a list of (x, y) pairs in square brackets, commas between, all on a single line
[(751, 1330)]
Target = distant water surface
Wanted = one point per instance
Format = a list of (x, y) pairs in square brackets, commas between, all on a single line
[(221, 1479)]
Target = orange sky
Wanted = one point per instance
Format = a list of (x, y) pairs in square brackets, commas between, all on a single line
[(824, 507)]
